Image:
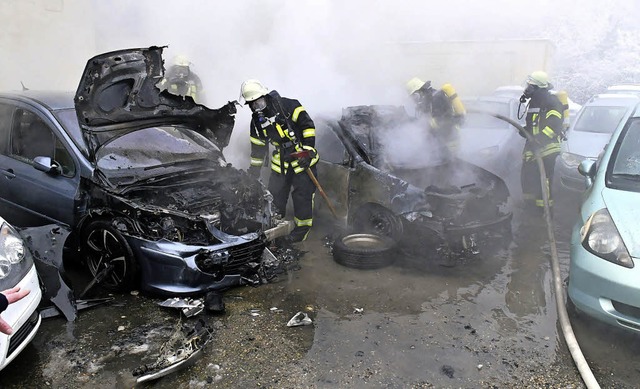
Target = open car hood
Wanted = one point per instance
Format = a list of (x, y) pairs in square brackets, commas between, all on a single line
[(118, 93)]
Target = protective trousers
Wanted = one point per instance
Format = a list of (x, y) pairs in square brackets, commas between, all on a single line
[(302, 195), (530, 179)]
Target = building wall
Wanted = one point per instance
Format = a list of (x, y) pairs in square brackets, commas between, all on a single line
[(44, 43)]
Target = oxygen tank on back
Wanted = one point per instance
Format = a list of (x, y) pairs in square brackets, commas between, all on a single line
[(456, 103)]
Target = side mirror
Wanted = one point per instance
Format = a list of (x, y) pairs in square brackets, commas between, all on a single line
[(587, 168), (45, 164)]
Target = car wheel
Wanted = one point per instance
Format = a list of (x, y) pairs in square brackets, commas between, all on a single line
[(104, 247), (363, 251), (378, 220)]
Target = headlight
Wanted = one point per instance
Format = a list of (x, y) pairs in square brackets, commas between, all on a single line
[(600, 237), (11, 244), (11, 249), (571, 160)]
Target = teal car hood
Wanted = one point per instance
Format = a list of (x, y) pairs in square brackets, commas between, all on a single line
[(622, 207)]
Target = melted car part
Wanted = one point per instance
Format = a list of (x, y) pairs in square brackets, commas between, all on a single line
[(52, 311), (46, 245), (121, 87), (179, 352), (189, 307)]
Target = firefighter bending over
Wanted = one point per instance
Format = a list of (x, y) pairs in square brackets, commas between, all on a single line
[(544, 122), (442, 106), (180, 80), (288, 127)]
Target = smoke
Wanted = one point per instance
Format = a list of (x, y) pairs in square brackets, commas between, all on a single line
[(328, 54)]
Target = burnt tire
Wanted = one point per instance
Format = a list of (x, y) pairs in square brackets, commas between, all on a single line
[(364, 251), (375, 219), (103, 246)]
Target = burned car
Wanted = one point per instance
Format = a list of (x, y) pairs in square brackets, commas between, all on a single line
[(388, 175), (139, 176)]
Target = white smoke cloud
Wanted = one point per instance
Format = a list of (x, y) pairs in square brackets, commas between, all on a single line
[(328, 54)]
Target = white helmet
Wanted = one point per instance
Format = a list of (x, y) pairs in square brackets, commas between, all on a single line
[(181, 60), (252, 90), (414, 84)]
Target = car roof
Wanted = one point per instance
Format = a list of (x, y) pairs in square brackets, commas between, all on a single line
[(53, 100), (613, 100)]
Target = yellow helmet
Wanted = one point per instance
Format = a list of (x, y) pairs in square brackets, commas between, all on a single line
[(252, 90), (539, 79), (414, 84)]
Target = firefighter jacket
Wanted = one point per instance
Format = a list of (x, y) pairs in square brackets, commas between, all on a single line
[(544, 122), (446, 111), (288, 128)]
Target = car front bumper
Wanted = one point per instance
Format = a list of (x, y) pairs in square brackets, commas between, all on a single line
[(171, 268), (604, 290), (23, 317)]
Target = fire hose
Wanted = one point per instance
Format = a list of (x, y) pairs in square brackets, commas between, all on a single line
[(572, 343)]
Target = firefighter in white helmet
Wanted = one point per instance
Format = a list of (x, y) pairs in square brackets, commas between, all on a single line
[(180, 80), (285, 124), (442, 106), (544, 122)]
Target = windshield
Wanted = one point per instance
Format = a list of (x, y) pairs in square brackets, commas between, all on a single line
[(154, 151), (484, 120), (602, 120), (625, 160), (69, 120)]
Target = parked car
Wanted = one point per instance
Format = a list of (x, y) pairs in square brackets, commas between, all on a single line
[(586, 138), (387, 175), (605, 242), (17, 269), (493, 143), (139, 176)]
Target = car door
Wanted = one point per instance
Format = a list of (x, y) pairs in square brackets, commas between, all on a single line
[(32, 197), (6, 113), (333, 172)]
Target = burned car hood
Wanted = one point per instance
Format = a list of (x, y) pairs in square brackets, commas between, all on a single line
[(119, 88)]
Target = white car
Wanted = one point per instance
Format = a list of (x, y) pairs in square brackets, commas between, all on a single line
[(17, 269)]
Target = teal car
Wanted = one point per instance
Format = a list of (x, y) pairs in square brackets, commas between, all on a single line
[(604, 271)]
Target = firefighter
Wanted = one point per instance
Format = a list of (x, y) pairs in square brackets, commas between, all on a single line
[(544, 122), (182, 81), (288, 127), (442, 106)]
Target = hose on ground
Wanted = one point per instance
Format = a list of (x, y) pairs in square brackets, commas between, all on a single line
[(565, 324)]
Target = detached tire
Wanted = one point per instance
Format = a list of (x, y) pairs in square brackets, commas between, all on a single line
[(364, 251)]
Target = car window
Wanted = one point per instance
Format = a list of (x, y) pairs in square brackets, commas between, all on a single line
[(600, 119), (69, 120), (6, 111), (330, 147), (31, 137), (485, 120), (627, 156)]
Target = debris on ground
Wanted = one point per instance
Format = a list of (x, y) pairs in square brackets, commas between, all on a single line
[(180, 351), (190, 307), (299, 319)]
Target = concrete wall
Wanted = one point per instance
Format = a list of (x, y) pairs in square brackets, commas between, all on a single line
[(45, 43)]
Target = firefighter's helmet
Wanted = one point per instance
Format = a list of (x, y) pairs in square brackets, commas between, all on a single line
[(181, 60), (538, 78), (414, 84), (252, 90)]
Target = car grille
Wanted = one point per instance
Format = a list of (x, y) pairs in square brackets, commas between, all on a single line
[(232, 260), (22, 333), (243, 254)]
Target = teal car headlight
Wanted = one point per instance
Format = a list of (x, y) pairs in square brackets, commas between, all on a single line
[(600, 237), (571, 160)]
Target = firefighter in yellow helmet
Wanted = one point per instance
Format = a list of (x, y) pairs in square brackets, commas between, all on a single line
[(442, 106), (180, 80), (544, 122), (285, 124)]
